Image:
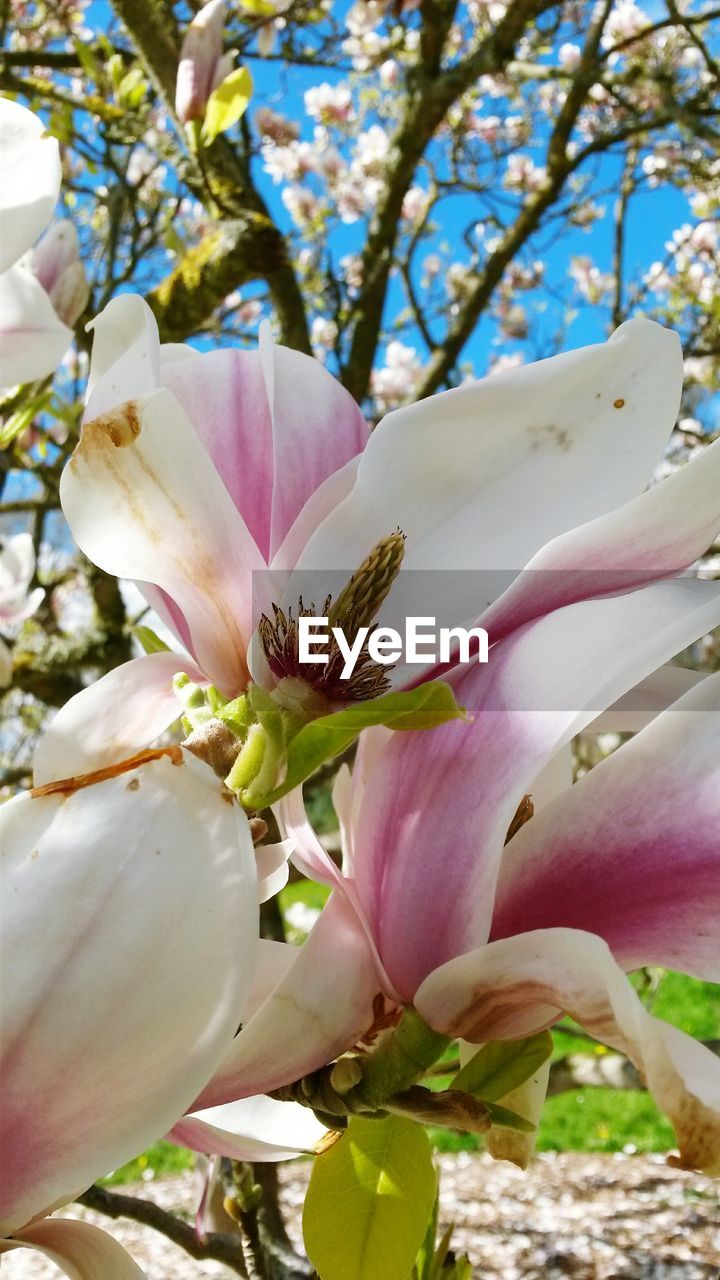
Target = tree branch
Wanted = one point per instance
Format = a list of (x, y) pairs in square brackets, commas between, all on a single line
[(218, 1247)]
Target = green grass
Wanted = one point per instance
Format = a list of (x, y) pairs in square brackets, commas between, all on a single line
[(582, 1120)]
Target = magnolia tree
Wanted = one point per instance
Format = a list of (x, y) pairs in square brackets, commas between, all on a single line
[(345, 442)]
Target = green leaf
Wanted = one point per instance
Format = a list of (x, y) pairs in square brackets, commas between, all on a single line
[(424, 1260), (263, 8), (429, 705), (132, 89), (150, 642), (369, 1201), (503, 1065), (508, 1119), (227, 104)]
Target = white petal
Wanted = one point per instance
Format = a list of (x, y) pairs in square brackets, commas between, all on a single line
[(112, 719), (483, 476), (30, 165), (256, 1128), (33, 339), (80, 1250), (130, 927), (144, 501), (510, 988)]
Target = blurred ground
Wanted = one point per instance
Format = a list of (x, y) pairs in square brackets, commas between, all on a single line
[(587, 1217)]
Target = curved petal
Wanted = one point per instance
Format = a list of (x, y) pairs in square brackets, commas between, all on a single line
[(480, 478), (272, 867), (30, 165), (276, 425), (130, 927), (33, 339), (126, 354), (632, 852), (505, 990), (252, 1129), (117, 716), (144, 501), (320, 1009), (80, 1250), (654, 536), (640, 705), (541, 686)]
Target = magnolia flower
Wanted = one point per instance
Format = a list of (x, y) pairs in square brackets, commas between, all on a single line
[(195, 472), (203, 65), (129, 908), (17, 602), (34, 338), (619, 871)]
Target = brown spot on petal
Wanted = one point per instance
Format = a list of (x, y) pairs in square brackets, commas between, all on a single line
[(66, 786), (122, 426), (618, 404)]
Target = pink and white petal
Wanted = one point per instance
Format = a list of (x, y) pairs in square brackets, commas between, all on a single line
[(276, 425), (144, 501), (30, 165), (274, 961), (318, 507), (541, 687), (81, 1250), (113, 719), (632, 852), (309, 856), (32, 338), (640, 705), (313, 861), (272, 867), (507, 989), (130, 926), (315, 433), (320, 1009), (223, 395), (126, 354), (257, 1128), (553, 779), (654, 536), (481, 477)]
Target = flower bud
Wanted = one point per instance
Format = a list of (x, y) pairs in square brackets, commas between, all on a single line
[(201, 57)]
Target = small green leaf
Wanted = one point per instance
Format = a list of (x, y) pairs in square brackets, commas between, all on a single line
[(425, 707), (227, 104), (369, 1200), (508, 1119), (424, 1260), (132, 89), (150, 642), (263, 8), (503, 1065)]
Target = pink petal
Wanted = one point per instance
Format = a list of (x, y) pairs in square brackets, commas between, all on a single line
[(632, 852), (80, 1250), (438, 804), (276, 425), (510, 989), (112, 719), (144, 501), (130, 929), (319, 1010), (655, 536)]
